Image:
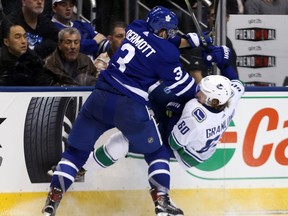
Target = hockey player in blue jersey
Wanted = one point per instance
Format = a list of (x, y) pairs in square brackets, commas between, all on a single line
[(149, 53), (184, 133)]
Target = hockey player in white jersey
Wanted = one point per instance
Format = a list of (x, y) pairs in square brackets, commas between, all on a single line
[(205, 118)]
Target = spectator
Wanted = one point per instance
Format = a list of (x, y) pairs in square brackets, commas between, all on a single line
[(68, 65), (20, 66), (41, 32), (266, 7), (92, 42), (116, 36)]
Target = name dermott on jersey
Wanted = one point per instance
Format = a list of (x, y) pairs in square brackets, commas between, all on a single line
[(140, 43)]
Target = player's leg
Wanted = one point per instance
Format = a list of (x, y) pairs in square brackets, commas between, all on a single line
[(85, 131), (159, 180), (115, 148), (136, 123), (138, 131), (144, 137)]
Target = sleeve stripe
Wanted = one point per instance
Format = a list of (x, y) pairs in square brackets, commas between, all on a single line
[(173, 143), (189, 159), (185, 89), (184, 79)]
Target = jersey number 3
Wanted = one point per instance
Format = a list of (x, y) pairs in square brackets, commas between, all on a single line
[(127, 58)]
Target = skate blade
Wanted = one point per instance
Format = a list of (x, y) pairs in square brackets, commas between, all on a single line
[(163, 214)]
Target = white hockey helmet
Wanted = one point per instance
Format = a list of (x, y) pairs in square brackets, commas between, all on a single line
[(215, 87)]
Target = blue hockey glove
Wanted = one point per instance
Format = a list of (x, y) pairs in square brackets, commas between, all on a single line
[(218, 54), (173, 108), (195, 41)]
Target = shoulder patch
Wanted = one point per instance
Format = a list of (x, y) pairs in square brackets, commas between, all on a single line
[(199, 114)]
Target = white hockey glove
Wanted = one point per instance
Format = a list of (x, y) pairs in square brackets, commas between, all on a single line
[(195, 41)]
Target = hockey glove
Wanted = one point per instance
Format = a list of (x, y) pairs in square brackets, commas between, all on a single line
[(173, 108), (195, 41), (218, 54)]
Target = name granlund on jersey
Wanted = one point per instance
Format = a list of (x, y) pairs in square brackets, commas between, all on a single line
[(219, 128)]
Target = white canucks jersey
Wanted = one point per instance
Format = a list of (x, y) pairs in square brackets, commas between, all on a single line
[(196, 134)]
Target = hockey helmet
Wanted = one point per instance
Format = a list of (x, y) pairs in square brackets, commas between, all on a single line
[(215, 87), (162, 18)]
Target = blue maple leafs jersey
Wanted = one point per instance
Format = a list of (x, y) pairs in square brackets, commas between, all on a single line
[(142, 60)]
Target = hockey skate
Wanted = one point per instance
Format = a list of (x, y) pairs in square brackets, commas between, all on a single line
[(53, 199), (164, 205)]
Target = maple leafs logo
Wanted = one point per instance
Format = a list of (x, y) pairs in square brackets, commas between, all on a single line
[(167, 18)]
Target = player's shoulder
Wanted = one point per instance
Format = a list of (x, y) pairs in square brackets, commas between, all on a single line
[(196, 110), (165, 49), (237, 86)]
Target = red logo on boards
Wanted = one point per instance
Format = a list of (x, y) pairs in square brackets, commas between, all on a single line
[(255, 34), (256, 61)]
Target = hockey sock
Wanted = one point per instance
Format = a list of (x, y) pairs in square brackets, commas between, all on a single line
[(64, 175), (159, 176)]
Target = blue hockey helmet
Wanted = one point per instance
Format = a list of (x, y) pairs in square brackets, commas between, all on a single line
[(162, 18)]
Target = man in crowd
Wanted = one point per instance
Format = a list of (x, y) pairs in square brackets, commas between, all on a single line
[(20, 66), (41, 31), (68, 64), (92, 42), (115, 37)]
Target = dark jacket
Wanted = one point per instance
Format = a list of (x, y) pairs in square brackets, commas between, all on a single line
[(27, 70), (43, 39), (84, 73)]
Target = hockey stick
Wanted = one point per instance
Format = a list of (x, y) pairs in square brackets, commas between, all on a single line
[(197, 25), (200, 33)]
